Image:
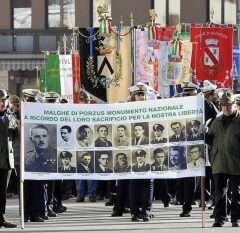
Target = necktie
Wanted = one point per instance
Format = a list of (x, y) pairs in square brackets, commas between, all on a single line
[(194, 163)]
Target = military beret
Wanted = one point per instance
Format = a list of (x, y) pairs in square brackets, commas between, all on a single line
[(227, 98), (3, 94), (65, 154), (208, 87), (194, 122), (237, 98), (14, 99), (158, 127), (140, 153)]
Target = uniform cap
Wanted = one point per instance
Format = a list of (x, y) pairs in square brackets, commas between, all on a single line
[(3, 94), (158, 127), (140, 153), (208, 87), (50, 96), (227, 98), (189, 88), (139, 87), (30, 92), (14, 99), (65, 154)]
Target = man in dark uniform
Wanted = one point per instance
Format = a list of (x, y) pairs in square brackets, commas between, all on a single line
[(158, 131), (4, 159), (42, 158), (140, 190), (195, 133), (33, 189), (66, 167), (141, 165), (160, 185)]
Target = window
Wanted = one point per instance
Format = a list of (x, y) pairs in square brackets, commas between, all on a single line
[(61, 13), (22, 14)]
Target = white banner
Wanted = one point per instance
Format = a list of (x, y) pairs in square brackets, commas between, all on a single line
[(152, 139), (65, 63)]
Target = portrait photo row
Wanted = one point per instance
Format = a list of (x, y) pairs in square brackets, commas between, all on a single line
[(45, 156)]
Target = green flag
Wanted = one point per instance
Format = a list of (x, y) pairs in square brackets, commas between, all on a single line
[(42, 79), (53, 74)]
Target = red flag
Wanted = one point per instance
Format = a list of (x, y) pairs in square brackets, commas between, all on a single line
[(164, 33), (212, 54), (76, 77)]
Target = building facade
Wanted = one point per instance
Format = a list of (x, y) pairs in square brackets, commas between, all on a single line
[(29, 28)]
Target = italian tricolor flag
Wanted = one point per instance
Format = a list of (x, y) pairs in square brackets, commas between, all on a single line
[(62, 75)]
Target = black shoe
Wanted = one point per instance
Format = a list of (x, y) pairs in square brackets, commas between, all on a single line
[(116, 214), (135, 218), (146, 218), (92, 199), (166, 205), (126, 211), (36, 219), (217, 224), (185, 214), (51, 214), (7, 225), (80, 199), (109, 203), (60, 209), (235, 224), (45, 217)]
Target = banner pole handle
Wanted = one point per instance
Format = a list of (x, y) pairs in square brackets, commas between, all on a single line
[(21, 171), (203, 200)]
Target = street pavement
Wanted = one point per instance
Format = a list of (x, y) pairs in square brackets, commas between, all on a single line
[(96, 217)]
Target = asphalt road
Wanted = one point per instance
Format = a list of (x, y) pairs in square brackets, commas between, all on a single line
[(96, 217)]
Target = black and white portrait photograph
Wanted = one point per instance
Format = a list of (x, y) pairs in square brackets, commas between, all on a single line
[(177, 158), (177, 131), (158, 132), (84, 136), (40, 148), (195, 157), (159, 158), (140, 133), (194, 130), (103, 161), (85, 161), (103, 135), (66, 161), (65, 137), (122, 135), (140, 160), (122, 161)]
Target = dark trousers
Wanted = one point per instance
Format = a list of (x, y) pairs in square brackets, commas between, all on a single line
[(33, 198), (186, 186), (161, 190), (140, 196), (122, 197), (220, 182), (3, 192)]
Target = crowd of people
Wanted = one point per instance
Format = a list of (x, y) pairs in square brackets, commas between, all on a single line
[(43, 198)]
